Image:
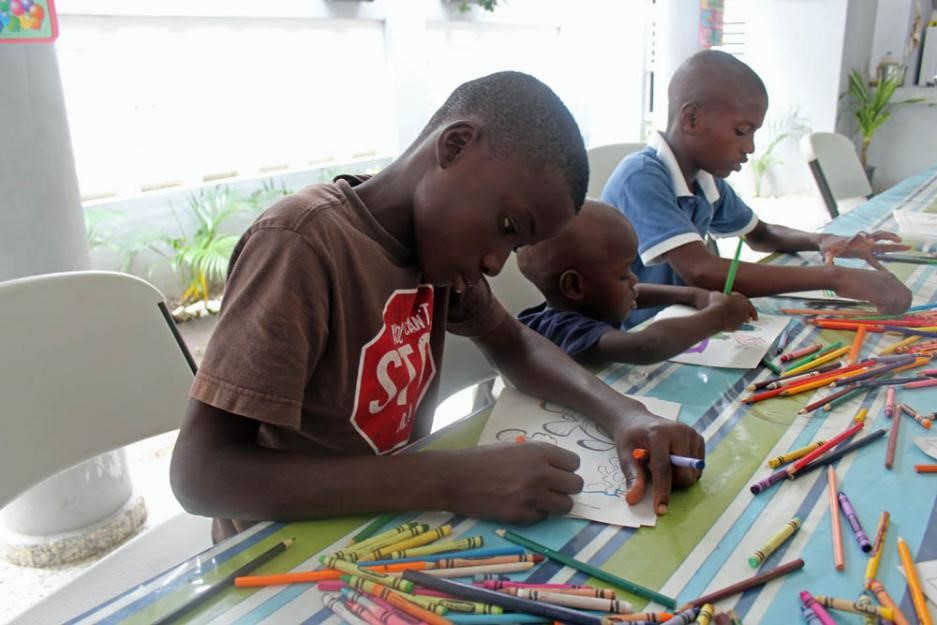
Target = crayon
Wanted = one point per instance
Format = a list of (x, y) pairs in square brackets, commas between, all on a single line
[(925, 468), (472, 593), (464, 553), (411, 604), (861, 415), (911, 412), (383, 579), (641, 617), (469, 571), (497, 585), (819, 451), (507, 618), (734, 620), (705, 616), (572, 601), (677, 461), (423, 538), (770, 366), (872, 567), (790, 456), (914, 583), (371, 528), (853, 519), (818, 610), (890, 402), (683, 618), (382, 614), (800, 353), (810, 618), (819, 360), (892, 442), (597, 593), (775, 382), (341, 611), (760, 555), (885, 599), (471, 542), (783, 340), (379, 540), (856, 608), (309, 577), (595, 572), (451, 563)]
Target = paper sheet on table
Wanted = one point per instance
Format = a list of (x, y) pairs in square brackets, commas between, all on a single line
[(820, 295), (927, 573), (742, 349), (602, 498), (927, 444), (919, 224)]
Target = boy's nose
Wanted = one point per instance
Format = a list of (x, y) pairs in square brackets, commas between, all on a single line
[(493, 262)]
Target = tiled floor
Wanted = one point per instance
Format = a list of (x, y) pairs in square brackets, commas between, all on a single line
[(149, 460)]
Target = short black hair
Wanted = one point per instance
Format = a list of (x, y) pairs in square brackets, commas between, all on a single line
[(528, 121)]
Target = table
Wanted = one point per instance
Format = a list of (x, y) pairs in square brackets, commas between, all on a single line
[(704, 542)]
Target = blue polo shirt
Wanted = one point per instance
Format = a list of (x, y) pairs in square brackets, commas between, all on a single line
[(572, 331), (650, 190)]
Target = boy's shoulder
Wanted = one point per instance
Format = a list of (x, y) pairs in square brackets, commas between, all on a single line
[(641, 165), (294, 211)]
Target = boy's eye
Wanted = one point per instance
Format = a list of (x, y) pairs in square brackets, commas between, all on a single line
[(739, 133), (507, 226)]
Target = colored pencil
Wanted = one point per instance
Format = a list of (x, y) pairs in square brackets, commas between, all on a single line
[(910, 331), (914, 583), (839, 561), (733, 268), (595, 572), (204, 594), (878, 544), (913, 260), (842, 399), (821, 360), (794, 367), (920, 383), (856, 346), (825, 400), (892, 442), (770, 366), (473, 593), (745, 584), (309, 577), (819, 451), (925, 468), (371, 528), (800, 353)]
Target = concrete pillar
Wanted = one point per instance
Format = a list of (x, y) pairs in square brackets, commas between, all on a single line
[(677, 39), (89, 507)]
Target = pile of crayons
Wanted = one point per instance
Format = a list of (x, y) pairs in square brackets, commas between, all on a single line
[(405, 576)]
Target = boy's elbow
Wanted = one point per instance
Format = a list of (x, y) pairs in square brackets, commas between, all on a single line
[(190, 480)]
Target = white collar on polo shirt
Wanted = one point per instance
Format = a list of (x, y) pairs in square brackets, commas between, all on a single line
[(704, 178)]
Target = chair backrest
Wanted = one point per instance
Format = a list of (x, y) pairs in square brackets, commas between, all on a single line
[(603, 159), (89, 362), (513, 290), (836, 169)]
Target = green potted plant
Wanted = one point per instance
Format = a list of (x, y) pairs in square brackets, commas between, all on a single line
[(872, 107)]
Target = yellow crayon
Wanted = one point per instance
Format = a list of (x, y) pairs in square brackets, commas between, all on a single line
[(469, 571), (419, 540), (351, 568), (855, 607), (822, 360), (872, 567), (351, 552), (774, 542), (468, 607), (706, 613), (447, 545), (791, 456)]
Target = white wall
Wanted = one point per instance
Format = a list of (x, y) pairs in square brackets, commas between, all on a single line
[(907, 142)]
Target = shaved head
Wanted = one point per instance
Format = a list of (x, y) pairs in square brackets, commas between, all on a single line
[(711, 77), (594, 238)]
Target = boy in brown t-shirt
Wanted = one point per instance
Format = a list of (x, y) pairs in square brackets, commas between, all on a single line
[(326, 352)]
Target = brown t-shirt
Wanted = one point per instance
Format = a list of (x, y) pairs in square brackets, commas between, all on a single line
[(327, 335)]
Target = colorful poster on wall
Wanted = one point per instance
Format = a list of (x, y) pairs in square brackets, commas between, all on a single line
[(28, 21), (710, 23)]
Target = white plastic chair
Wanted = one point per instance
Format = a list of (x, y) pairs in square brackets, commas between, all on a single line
[(91, 362), (839, 175), (603, 159)]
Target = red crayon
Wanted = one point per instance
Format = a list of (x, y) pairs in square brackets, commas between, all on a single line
[(800, 353)]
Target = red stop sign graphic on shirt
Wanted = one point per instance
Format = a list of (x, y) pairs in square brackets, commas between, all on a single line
[(394, 371)]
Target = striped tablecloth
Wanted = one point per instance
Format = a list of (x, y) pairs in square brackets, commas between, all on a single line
[(711, 529)]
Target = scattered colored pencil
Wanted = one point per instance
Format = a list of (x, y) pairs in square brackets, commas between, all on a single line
[(733, 268), (914, 582), (745, 584), (839, 561)]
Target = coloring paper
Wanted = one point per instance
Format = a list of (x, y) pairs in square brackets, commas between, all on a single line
[(927, 444), (602, 499), (742, 349)]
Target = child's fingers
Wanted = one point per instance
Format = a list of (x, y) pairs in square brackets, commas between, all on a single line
[(878, 235), (635, 478), (564, 482), (554, 503), (658, 465)]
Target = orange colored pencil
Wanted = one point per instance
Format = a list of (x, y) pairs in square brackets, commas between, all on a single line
[(823, 380), (914, 583), (926, 468), (856, 346), (838, 558)]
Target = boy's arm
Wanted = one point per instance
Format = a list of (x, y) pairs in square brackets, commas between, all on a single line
[(218, 469), (666, 294), (767, 237), (539, 368), (668, 337), (696, 266)]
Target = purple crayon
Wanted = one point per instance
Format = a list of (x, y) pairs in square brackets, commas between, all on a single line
[(768, 482), (683, 618), (854, 523)]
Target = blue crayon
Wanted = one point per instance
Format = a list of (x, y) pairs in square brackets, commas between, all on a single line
[(810, 618), (686, 461)]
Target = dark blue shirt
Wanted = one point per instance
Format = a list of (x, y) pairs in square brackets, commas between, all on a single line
[(573, 331)]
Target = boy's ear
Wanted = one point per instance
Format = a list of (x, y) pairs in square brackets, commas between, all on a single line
[(453, 140), (571, 285), (690, 117)]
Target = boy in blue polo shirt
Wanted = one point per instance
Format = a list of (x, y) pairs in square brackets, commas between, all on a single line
[(674, 194)]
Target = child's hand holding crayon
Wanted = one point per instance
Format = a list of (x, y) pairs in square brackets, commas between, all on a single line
[(661, 438), (735, 309)]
